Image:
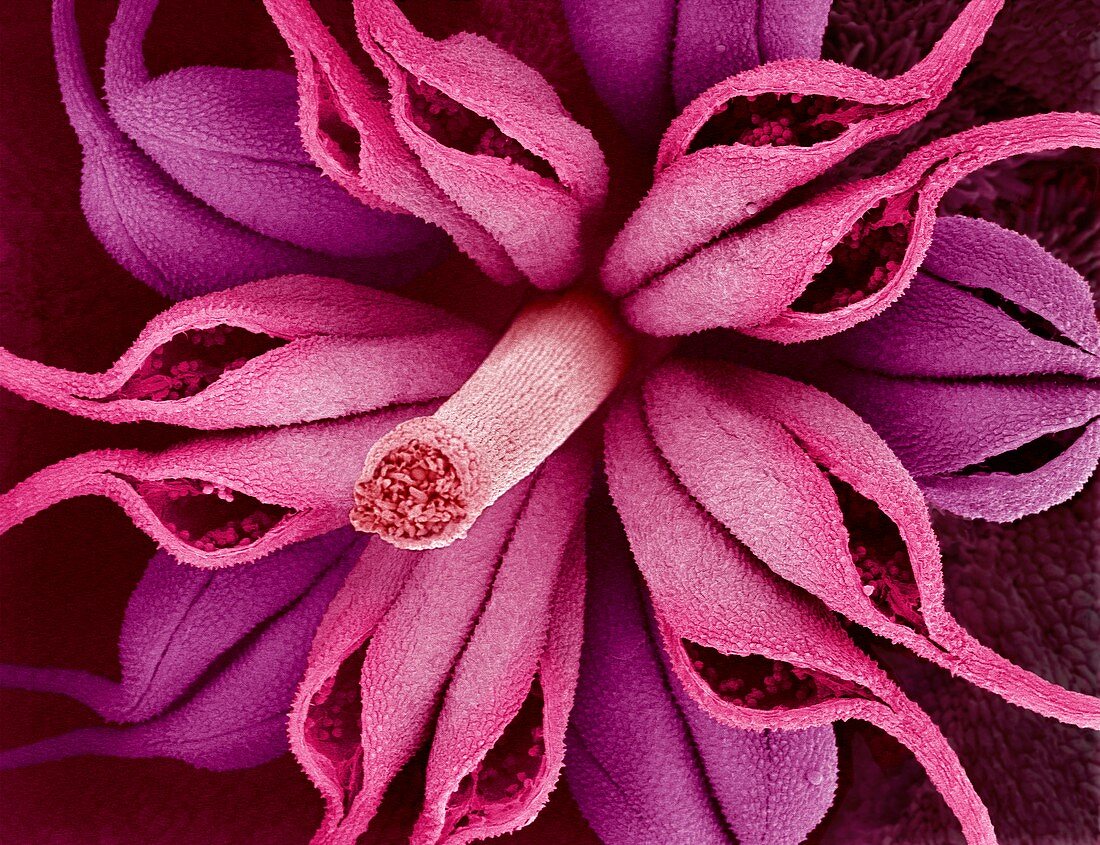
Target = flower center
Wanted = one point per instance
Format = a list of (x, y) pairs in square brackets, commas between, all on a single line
[(425, 483)]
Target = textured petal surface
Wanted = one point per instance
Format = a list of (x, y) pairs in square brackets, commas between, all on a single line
[(843, 256), (180, 620), (649, 57), (754, 652), (717, 168), (222, 499), (152, 225), (988, 304), (458, 132), (531, 626), (647, 764), (852, 528), (474, 646), (235, 716), (229, 137), (273, 352)]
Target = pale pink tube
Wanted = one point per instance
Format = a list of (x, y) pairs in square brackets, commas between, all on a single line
[(425, 483)]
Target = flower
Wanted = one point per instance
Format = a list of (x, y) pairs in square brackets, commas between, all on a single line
[(779, 539)]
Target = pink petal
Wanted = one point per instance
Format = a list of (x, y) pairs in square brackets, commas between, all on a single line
[(854, 530), (324, 727), (843, 256), (221, 499), (707, 185), (726, 619), (519, 666), (987, 449), (487, 616), (454, 171), (646, 56), (272, 352)]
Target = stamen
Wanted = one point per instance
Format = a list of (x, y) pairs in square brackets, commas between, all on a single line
[(426, 482)]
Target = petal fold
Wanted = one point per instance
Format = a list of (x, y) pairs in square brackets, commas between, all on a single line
[(753, 652), (983, 376), (234, 716), (458, 132), (843, 256), (223, 499), (747, 141), (180, 620), (854, 531), (213, 206), (273, 352), (473, 649)]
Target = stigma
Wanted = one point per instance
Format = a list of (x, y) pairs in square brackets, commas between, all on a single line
[(426, 482)]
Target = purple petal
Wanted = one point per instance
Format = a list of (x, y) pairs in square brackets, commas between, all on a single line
[(170, 239), (991, 449), (230, 138), (180, 619), (235, 716), (717, 38), (987, 302), (647, 764), (648, 58)]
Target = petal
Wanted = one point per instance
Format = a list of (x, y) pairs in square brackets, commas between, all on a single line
[(843, 256), (751, 650), (532, 197), (225, 499), (713, 174), (474, 140), (235, 719), (272, 352), (158, 231), (499, 741), (1006, 497), (643, 54), (716, 39), (647, 764), (986, 302), (180, 620), (324, 727), (626, 49), (475, 647), (986, 449), (855, 531), (348, 131), (229, 137), (387, 689)]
